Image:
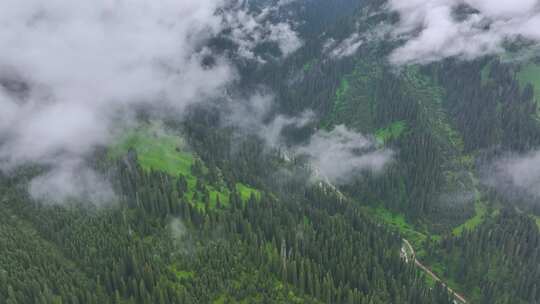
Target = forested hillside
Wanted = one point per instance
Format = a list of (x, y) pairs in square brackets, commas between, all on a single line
[(245, 196), (199, 236), (449, 120)]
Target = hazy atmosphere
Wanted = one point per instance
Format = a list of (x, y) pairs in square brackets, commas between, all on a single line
[(269, 151), (73, 75)]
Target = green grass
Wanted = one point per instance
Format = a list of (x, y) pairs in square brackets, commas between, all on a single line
[(530, 74), (398, 222), (164, 151), (417, 239), (309, 65), (181, 274), (246, 192), (409, 232), (536, 218), (480, 214), (355, 98), (484, 74), (156, 149), (392, 131), (340, 102), (342, 90)]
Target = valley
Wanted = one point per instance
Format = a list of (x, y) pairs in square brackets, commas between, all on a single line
[(269, 151)]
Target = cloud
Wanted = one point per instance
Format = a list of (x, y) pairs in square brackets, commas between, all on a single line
[(340, 154), (178, 229), (287, 39), (71, 179), (345, 48), (281, 3), (350, 45), (515, 174), (256, 116), (247, 30), (437, 29), (70, 71), (336, 156)]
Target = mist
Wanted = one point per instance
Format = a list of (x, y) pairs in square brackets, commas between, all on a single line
[(337, 155), (345, 48), (72, 179), (514, 174), (258, 116), (340, 154), (72, 73), (247, 30), (466, 29)]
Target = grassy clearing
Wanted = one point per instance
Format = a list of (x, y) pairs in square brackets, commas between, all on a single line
[(156, 149), (530, 74), (340, 102), (181, 274), (341, 92), (355, 98), (536, 218), (246, 192), (393, 131), (308, 66), (163, 151), (398, 222), (417, 239), (484, 74), (480, 214)]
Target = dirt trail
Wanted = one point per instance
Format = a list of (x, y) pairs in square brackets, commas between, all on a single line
[(458, 297)]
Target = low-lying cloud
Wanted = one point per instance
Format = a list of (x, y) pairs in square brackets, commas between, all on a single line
[(340, 154), (248, 30), (72, 179), (336, 156), (438, 29), (70, 70), (345, 48), (515, 174), (257, 116)]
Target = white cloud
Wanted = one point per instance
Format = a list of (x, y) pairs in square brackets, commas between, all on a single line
[(341, 153), (82, 61), (178, 229), (254, 116), (434, 33), (515, 172), (336, 156), (70, 70), (247, 30), (287, 39), (345, 48), (71, 179), (350, 45)]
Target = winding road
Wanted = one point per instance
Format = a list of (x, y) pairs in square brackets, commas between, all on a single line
[(407, 252), (410, 255)]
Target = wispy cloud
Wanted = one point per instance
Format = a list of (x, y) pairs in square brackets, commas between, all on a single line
[(72, 179), (341, 154), (247, 30), (71, 70), (437, 29), (345, 48), (514, 174), (336, 155), (257, 116)]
